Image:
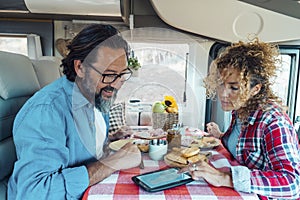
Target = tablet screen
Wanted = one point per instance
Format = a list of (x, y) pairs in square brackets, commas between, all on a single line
[(164, 177)]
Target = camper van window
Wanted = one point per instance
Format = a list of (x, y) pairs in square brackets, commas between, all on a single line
[(14, 44), (281, 83), (287, 79), (162, 71)]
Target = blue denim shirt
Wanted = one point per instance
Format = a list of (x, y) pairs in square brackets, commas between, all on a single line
[(54, 138)]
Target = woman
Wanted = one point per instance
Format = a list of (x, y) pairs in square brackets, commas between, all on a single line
[(261, 136)]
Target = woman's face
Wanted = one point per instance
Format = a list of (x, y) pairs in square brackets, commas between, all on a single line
[(229, 91)]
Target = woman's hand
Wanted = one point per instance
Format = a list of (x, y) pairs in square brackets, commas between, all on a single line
[(213, 176), (213, 129)]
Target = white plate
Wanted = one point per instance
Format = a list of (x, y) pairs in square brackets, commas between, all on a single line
[(147, 133), (141, 128), (206, 145)]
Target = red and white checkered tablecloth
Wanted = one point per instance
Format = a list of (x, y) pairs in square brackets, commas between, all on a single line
[(120, 186)]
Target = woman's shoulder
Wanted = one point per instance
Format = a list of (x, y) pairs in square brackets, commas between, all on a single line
[(273, 112)]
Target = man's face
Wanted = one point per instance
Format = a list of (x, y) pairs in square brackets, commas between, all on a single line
[(109, 62)]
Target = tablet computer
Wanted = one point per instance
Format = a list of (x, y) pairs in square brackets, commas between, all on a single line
[(161, 179)]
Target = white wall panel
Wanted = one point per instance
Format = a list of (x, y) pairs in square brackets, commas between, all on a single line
[(227, 20)]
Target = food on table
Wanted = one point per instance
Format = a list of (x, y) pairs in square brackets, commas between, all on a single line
[(208, 139), (118, 144), (186, 140), (143, 147), (176, 156), (190, 131), (158, 107), (188, 152), (151, 134), (157, 132), (196, 158), (181, 157), (168, 105), (205, 142)]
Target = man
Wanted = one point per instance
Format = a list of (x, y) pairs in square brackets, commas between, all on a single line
[(55, 132)]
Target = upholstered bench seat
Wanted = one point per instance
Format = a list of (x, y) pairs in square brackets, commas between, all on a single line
[(20, 78)]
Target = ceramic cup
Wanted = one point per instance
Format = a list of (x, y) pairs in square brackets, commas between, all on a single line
[(157, 149)]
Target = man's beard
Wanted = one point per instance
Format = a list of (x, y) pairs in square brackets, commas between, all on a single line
[(101, 104), (104, 105)]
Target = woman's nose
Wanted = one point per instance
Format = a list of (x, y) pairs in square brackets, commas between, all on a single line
[(224, 92)]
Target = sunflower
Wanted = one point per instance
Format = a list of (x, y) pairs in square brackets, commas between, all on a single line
[(171, 104)]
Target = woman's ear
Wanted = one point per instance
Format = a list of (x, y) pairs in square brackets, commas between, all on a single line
[(78, 68), (255, 90)]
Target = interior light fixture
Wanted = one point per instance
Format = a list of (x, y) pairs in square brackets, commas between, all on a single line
[(14, 11)]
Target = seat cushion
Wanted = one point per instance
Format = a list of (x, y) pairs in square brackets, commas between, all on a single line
[(3, 189), (116, 117), (8, 110), (17, 77), (47, 70), (8, 157)]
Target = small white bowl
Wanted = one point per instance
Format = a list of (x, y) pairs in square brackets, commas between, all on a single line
[(158, 149)]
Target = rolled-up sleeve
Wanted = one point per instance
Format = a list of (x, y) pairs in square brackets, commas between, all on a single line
[(76, 180), (241, 178)]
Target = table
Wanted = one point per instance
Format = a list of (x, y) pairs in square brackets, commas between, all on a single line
[(120, 186)]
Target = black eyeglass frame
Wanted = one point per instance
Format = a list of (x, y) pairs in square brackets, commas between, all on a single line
[(116, 76)]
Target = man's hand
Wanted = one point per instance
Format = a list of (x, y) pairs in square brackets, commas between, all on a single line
[(123, 133), (128, 156)]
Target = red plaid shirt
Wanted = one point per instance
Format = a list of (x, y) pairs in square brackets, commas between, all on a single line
[(268, 145)]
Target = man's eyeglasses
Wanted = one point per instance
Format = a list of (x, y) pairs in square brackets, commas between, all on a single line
[(110, 78)]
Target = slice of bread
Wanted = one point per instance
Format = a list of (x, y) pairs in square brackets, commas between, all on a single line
[(209, 139), (175, 156), (197, 158), (189, 152), (176, 149)]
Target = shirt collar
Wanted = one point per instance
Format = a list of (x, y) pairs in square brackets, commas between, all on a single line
[(252, 117), (76, 97)]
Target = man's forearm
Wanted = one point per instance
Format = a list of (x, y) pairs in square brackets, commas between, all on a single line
[(98, 171)]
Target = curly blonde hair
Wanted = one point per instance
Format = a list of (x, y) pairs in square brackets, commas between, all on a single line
[(257, 63)]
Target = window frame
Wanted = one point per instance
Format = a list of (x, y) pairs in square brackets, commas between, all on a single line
[(294, 79)]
